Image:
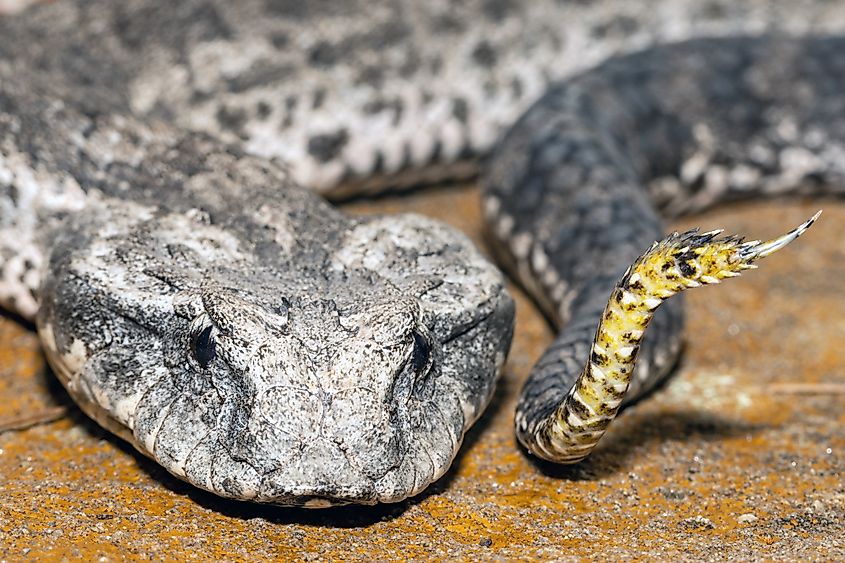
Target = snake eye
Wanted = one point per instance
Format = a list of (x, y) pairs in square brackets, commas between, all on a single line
[(203, 347), (421, 354)]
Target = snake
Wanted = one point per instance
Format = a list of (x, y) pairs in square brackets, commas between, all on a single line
[(163, 225)]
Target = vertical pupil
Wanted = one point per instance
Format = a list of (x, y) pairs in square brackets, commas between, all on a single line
[(203, 347), (421, 352)]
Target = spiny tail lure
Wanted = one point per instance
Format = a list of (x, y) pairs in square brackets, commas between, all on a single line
[(679, 262)]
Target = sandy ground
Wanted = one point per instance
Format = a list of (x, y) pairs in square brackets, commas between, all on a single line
[(742, 455)]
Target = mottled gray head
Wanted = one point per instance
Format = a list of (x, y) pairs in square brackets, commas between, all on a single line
[(342, 367)]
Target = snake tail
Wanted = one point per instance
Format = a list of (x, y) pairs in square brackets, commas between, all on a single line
[(678, 262)]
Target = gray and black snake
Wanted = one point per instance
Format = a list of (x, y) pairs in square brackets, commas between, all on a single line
[(256, 342)]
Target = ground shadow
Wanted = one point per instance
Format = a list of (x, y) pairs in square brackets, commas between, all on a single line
[(628, 437), (15, 318)]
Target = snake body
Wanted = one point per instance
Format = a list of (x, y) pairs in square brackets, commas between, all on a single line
[(256, 342)]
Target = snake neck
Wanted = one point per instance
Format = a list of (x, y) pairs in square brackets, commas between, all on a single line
[(678, 262)]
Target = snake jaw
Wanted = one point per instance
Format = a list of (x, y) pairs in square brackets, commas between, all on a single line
[(678, 262)]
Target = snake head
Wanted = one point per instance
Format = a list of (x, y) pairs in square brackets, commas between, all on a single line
[(348, 374)]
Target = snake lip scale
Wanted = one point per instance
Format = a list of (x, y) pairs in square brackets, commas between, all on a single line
[(160, 223)]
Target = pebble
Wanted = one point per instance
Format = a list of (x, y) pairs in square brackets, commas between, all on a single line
[(698, 523)]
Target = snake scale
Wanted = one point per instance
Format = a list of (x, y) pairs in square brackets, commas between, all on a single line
[(256, 342)]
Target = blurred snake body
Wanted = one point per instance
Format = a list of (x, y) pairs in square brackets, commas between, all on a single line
[(159, 222)]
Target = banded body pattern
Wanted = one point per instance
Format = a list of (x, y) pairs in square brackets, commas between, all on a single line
[(670, 266)]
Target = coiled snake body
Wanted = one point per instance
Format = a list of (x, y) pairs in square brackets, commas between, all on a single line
[(261, 345)]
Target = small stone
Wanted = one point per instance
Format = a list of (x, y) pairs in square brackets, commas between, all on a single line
[(697, 523), (674, 494), (746, 518), (485, 542), (818, 506)]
